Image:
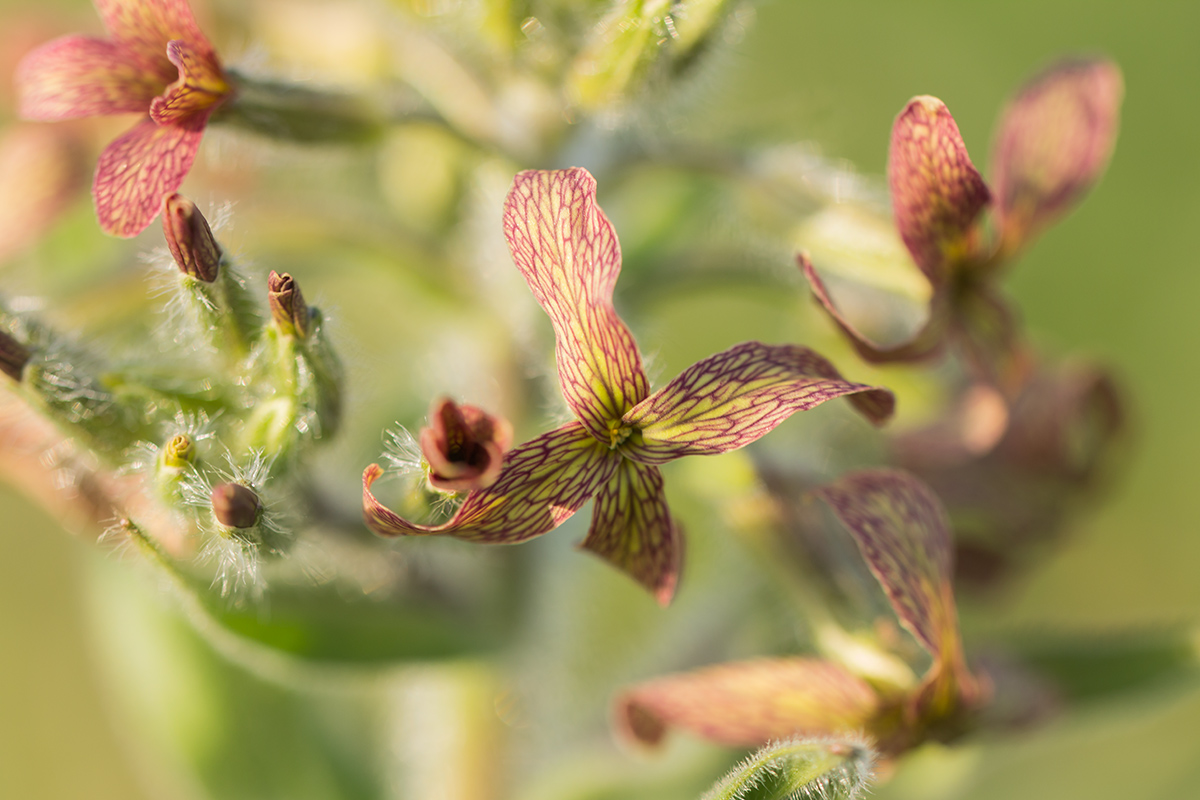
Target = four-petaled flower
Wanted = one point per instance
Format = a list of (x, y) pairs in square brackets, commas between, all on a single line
[(464, 446), (902, 533), (157, 62), (568, 253), (1053, 142)]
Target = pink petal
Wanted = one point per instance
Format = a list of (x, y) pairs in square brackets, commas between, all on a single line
[(78, 76), (543, 482), (1053, 142), (925, 343), (568, 252), (138, 169), (733, 398), (936, 191), (201, 86), (143, 28), (901, 528), (748, 703), (632, 529)]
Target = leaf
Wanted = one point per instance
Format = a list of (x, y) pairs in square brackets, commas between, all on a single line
[(800, 768)]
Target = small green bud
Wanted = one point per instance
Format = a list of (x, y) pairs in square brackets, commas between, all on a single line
[(190, 240), (288, 309), (235, 505), (13, 357), (179, 452)]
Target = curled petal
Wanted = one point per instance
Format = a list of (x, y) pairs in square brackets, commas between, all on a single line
[(568, 252), (201, 86), (542, 483), (925, 343), (1054, 140), (139, 168), (936, 191), (749, 703), (464, 446), (143, 28), (731, 399), (633, 530), (78, 76), (901, 529)]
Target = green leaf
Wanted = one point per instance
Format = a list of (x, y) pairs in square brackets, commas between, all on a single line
[(799, 768)]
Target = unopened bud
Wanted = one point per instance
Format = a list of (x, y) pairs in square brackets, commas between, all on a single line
[(288, 309), (190, 240), (13, 356), (179, 452), (235, 505)]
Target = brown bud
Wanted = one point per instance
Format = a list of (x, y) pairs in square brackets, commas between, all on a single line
[(235, 505), (288, 309), (190, 240), (13, 356)]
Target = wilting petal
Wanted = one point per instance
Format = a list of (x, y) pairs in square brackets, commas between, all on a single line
[(543, 483), (901, 529), (633, 530), (750, 702), (936, 191), (925, 343), (78, 76), (138, 169), (143, 28), (464, 446), (1053, 142), (568, 252), (201, 86), (733, 398)]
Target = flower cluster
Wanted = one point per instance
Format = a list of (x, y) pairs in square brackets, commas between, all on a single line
[(568, 253)]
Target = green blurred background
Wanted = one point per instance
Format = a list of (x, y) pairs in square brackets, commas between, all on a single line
[(1115, 280)]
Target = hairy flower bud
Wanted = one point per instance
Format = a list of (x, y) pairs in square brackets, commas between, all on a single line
[(235, 505), (190, 240), (464, 446), (179, 452), (13, 356), (288, 309)]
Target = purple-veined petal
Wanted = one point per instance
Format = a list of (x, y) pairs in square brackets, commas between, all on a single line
[(632, 529), (936, 191), (901, 529), (1054, 140), (143, 28), (79, 76), (542, 483), (568, 252), (139, 168), (201, 86), (748, 703), (925, 343), (731, 399)]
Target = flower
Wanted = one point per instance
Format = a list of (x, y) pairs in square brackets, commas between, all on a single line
[(156, 61), (901, 531), (464, 446), (568, 253), (1053, 142)]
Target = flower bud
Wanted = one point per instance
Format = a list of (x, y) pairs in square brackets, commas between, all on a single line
[(464, 446), (179, 452), (190, 240), (13, 356), (288, 309), (235, 505)]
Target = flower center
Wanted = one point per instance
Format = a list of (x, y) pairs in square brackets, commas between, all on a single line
[(618, 432)]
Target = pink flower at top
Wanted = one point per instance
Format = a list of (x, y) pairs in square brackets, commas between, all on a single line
[(155, 61)]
